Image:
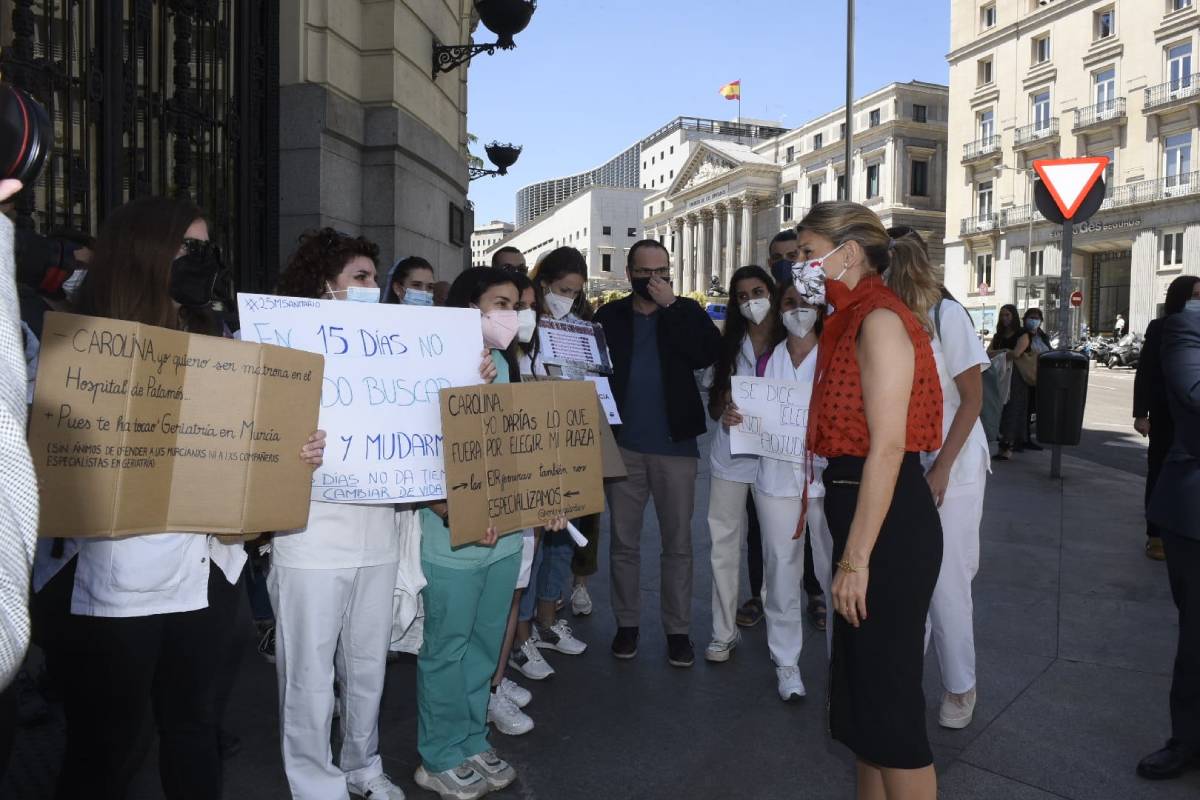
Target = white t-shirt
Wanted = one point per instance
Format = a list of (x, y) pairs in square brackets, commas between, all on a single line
[(722, 463), (341, 536), (957, 349), (776, 477)]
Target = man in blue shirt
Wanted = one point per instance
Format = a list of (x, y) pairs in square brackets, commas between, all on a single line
[(657, 341)]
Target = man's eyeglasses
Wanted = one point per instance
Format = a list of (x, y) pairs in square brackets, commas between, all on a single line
[(640, 272)]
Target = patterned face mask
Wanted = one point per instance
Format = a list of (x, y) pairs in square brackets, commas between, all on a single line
[(809, 277)]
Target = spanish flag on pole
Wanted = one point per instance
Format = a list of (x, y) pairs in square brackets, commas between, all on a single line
[(732, 91)]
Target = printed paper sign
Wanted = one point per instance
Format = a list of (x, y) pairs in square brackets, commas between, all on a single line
[(607, 401), (774, 418), (518, 455), (573, 343), (384, 367), (137, 429)]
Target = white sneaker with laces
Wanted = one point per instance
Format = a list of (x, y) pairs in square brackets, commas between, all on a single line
[(492, 768), (559, 637), (460, 783), (518, 694), (508, 719), (378, 788), (957, 710), (581, 601), (719, 652), (790, 684), (529, 662)]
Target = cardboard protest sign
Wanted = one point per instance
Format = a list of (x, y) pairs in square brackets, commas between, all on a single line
[(774, 418), (607, 401), (137, 429), (384, 367), (520, 454), (573, 343)]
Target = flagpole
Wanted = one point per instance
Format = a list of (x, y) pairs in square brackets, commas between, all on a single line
[(849, 96)]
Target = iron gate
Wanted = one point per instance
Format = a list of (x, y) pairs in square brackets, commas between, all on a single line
[(169, 97)]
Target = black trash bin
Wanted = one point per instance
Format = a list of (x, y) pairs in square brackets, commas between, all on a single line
[(1062, 379)]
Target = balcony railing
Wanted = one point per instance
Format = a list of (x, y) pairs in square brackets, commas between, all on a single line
[(980, 224), (1178, 89), (1036, 132), (1152, 191), (1101, 112), (981, 147), (1019, 215)]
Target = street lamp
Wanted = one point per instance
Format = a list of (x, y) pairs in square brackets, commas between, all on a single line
[(502, 156), (505, 18)]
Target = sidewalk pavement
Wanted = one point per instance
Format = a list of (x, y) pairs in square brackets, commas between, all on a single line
[(1075, 636)]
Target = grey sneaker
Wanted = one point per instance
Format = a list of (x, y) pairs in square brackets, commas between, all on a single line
[(581, 601), (957, 710), (460, 783), (719, 652), (789, 682), (558, 637), (529, 662), (492, 768)]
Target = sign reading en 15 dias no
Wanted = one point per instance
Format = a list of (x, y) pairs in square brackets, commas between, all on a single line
[(384, 367)]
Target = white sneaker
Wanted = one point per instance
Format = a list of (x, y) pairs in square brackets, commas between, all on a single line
[(581, 601), (529, 662), (508, 719), (719, 652), (558, 637), (520, 696), (492, 768), (790, 684), (378, 788), (957, 710), (460, 783)]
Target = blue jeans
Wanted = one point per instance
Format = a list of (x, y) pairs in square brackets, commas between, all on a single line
[(549, 573)]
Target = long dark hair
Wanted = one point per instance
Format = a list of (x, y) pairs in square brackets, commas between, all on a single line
[(1040, 331), (129, 274), (1178, 293), (523, 283), (559, 263), (399, 273), (735, 331), (319, 259), (469, 286)]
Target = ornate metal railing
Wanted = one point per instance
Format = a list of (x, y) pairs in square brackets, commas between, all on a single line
[(1101, 112), (981, 147), (1035, 132)]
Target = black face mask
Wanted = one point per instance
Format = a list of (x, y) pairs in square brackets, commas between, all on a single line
[(781, 271), (194, 274), (641, 287)]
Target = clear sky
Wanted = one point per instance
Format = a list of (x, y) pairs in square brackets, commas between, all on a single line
[(591, 77)]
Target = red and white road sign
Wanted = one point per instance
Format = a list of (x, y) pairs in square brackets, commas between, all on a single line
[(1077, 299), (1070, 179)]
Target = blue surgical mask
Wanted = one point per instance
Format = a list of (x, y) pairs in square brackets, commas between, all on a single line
[(1192, 305), (1033, 324), (417, 297), (362, 294)]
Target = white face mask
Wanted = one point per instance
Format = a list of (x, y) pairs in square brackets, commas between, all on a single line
[(799, 321), (417, 297), (809, 277), (1192, 305), (756, 309), (558, 305), (526, 324)]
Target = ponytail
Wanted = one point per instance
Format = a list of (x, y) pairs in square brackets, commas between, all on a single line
[(911, 276)]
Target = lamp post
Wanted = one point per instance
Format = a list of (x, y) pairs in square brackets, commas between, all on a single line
[(502, 156), (505, 18)]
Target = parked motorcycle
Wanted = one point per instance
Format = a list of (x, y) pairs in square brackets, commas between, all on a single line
[(1126, 353)]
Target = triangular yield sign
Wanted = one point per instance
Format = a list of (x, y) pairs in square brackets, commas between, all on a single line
[(1070, 179)]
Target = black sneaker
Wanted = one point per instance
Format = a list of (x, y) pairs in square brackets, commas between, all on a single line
[(679, 650), (625, 643)]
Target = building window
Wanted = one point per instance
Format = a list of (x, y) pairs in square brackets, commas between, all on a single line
[(841, 187), (787, 207), (842, 131), (818, 141), (1106, 88), (1041, 111), (1180, 5), (790, 154), (1037, 262), (1105, 23), (458, 226), (987, 124), (672, 174), (1109, 171), (919, 185), (987, 16), (662, 206), (814, 193), (672, 149), (1041, 49), (985, 71), (983, 199), (920, 113), (1179, 66), (873, 180), (607, 229), (652, 158), (1178, 159), (643, 165), (873, 118), (631, 232), (1172, 249), (606, 262), (983, 272)]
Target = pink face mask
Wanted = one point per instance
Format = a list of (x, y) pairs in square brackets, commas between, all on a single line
[(500, 328)]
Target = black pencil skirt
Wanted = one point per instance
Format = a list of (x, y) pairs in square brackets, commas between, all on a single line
[(876, 703)]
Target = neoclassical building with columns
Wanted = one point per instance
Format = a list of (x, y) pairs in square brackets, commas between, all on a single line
[(721, 207)]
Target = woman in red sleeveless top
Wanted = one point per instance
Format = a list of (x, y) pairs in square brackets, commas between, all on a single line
[(876, 405)]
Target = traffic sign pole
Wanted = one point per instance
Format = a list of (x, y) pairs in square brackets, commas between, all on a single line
[(1064, 311)]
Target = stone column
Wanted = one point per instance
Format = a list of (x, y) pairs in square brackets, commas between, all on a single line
[(685, 257), (702, 259), (1143, 283), (746, 254), (722, 278), (731, 264)]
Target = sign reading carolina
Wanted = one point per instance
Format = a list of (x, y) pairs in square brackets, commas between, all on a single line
[(137, 429), (518, 455)]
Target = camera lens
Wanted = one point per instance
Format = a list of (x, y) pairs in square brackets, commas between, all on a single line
[(25, 135)]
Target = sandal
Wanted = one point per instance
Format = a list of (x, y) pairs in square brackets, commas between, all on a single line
[(817, 610), (750, 614)]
